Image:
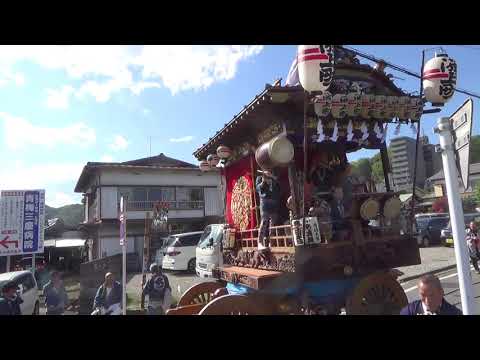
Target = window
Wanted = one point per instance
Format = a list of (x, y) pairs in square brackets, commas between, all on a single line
[(139, 194), (27, 282), (190, 240), (189, 197), (155, 194)]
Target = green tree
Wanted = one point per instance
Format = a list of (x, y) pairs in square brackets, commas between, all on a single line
[(475, 149), (362, 167)]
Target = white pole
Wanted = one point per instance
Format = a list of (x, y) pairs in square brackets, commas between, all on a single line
[(457, 219), (33, 263), (124, 275), (8, 264)]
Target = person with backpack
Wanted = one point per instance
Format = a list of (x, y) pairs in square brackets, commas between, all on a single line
[(108, 300), (473, 244), (159, 292)]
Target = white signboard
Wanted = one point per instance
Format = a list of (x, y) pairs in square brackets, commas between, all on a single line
[(22, 222), (462, 130)]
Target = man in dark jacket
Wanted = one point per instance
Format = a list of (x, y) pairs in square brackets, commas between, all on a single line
[(268, 189), (56, 298), (108, 294), (431, 301), (159, 292), (9, 300)]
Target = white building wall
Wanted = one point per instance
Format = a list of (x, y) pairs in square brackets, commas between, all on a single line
[(148, 177), (109, 206), (212, 202)]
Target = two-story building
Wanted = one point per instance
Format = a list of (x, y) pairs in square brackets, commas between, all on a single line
[(194, 199)]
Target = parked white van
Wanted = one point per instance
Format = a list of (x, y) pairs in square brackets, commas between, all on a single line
[(180, 251), (209, 250), (27, 290)]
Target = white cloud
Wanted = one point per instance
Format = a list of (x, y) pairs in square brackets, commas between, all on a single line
[(177, 68), (7, 75), (182, 139), (19, 132), (58, 199), (59, 99), (39, 176), (106, 158), (119, 143), (146, 112)]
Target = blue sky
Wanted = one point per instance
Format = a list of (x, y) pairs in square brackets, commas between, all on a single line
[(64, 106)]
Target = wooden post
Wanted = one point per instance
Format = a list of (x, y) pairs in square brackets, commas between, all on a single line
[(146, 248), (412, 215), (252, 169), (292, 179), (305, 149), (385, 165)]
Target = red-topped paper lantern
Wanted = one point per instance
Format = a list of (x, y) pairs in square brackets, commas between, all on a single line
[(224, 152), (439, 79), (213, 160), (315, 66), (204, 165)]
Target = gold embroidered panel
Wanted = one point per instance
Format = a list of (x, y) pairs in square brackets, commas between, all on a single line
[(241, 203)]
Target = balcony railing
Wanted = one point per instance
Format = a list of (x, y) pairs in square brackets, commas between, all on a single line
[(172, 205)]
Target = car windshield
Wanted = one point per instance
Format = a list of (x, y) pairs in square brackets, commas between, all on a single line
[(2, 282), (171, 240), (210, 232), (422, 223)]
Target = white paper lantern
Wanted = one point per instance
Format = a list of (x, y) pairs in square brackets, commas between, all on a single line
[(439, 79), (224, 152), (391, 108), (368, 105), (204, 165), (354, 106), (323, 104), (213, 160), (339, 106), (315, 66), (380, 107)]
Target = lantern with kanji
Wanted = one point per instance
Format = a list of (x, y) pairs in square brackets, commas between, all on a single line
[(354, 104), (213, 160), (204, 165), (339, 106), (315, 66), (323, 104), (439, 79), (391, 109), (224, 152), (380, 107), (368, 105)]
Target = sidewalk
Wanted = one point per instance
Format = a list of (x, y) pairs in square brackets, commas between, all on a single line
[(434, 259)]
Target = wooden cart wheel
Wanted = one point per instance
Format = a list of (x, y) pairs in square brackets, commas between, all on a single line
[(234, 305), (377, 294), (200, 293)]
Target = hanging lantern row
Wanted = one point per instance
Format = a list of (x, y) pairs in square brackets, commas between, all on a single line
[(439, 79), (315, 66), (356, 131), (368, 106), (223, 152)]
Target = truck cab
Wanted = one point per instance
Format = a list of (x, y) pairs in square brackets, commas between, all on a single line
[(209, 250)]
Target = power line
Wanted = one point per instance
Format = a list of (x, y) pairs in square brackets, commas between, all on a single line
[(400, 68)]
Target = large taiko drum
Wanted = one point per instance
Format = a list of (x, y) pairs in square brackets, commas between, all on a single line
[(369, 209), (392, 207), (277, 152)]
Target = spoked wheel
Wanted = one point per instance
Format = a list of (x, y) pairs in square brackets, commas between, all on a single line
[(235, 305), (200, 293), (377, 294)]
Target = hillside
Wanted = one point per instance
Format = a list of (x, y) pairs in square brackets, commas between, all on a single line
[(72, 215)]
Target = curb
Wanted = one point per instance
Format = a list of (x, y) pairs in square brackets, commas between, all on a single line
[(426, 273)]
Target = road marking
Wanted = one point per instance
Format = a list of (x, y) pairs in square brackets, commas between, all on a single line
[(442, 278)]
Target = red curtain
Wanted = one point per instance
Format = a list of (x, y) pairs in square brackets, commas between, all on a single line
[(232, 174)]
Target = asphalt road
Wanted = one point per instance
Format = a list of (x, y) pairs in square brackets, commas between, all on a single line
[(449, 280)]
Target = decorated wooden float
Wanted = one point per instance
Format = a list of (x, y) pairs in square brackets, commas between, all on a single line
[(304, 137)]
